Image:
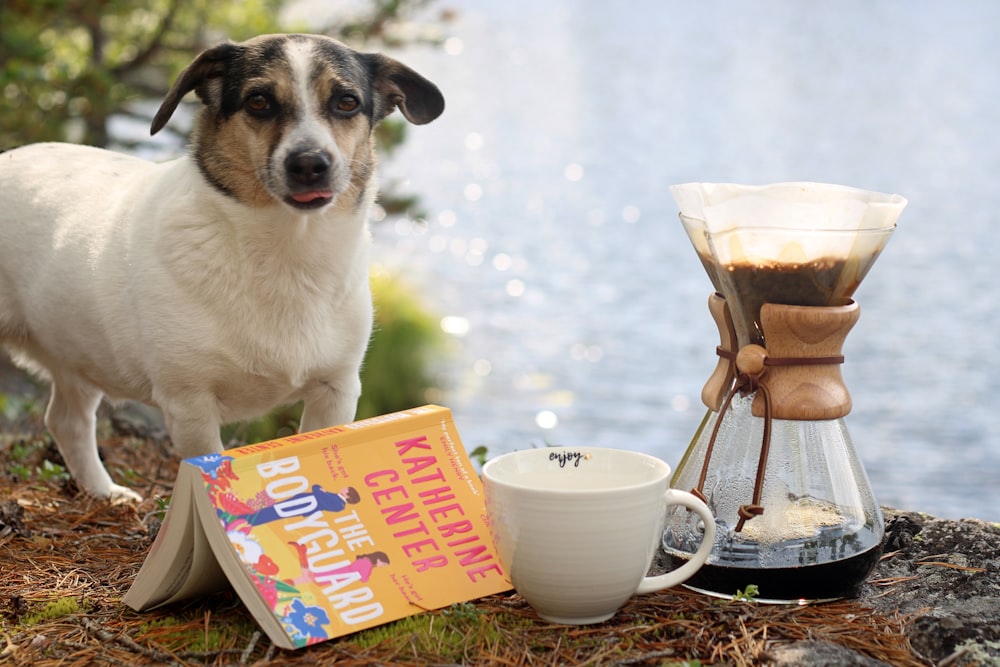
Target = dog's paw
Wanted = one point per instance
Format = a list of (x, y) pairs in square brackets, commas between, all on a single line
[(117, 494)]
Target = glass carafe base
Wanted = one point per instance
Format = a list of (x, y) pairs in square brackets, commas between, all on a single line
[(820, 532), (801, 584)]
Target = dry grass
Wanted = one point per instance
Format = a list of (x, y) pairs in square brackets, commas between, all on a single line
[(66, 560)]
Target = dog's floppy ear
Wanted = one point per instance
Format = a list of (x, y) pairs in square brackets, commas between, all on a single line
[(397, 85), (208, 65)]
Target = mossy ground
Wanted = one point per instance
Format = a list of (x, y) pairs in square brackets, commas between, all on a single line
[(67, 559)]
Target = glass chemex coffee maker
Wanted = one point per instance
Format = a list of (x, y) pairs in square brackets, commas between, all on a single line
[(772, 458)]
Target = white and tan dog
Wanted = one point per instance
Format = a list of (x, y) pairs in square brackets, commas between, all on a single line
[(218, 285)]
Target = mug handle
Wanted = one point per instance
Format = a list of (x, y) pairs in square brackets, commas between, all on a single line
[(685, 571)]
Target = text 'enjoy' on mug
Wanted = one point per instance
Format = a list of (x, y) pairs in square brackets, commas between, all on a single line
[(577, 527)]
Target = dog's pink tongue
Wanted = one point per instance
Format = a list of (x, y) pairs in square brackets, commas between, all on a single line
[(306, 197)]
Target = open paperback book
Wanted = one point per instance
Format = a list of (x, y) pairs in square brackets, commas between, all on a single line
[(330, 532)]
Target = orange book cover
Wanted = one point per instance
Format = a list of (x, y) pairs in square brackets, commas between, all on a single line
[(326, 533)]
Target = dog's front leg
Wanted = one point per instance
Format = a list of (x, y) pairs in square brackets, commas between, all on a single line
[(328, 404), (193, 425), (72, 420)]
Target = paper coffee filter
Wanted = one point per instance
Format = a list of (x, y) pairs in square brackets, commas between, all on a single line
[(799, 206), (789, 223), (696, 232)]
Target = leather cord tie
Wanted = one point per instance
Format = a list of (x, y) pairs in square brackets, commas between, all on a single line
[(749, 379)]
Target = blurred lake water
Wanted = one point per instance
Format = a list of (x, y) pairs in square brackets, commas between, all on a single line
[(553, 254)]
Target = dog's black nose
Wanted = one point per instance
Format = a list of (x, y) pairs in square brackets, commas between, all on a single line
[(308, 167)]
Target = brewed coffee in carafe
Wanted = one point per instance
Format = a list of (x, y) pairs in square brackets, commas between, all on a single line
[(773, 459)]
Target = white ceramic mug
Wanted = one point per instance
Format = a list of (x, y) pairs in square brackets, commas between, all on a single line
[(577, 527)]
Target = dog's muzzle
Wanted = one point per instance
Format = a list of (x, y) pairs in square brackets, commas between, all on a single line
[(307, 175)]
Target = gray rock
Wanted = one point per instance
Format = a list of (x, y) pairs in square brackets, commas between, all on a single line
[(817, 654), (944, 575)]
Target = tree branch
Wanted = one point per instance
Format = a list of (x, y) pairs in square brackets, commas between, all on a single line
[(154, 45)]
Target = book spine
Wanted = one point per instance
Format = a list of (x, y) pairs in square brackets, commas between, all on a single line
[(351, 434)]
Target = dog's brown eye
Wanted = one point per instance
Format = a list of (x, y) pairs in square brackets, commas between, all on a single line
[(259, 104), (347, 103)]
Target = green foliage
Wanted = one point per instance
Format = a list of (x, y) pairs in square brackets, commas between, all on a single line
[(390, 134), (748, 594), (26, 460), (379, 20), (162, 505), (401, 629), (397, 371), (454, 635), (479, 455), (52, 472), (67, 66), (22, 451), (52, 610), (183, 634)]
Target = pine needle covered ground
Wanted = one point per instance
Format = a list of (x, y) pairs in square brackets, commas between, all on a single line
[(66, 560)]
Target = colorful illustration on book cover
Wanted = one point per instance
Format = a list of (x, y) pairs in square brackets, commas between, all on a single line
[(331, 553)]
